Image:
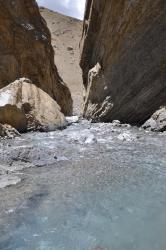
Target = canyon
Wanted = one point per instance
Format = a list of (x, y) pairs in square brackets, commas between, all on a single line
[(82, 150)]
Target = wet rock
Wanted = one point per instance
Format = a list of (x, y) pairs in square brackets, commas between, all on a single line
[(26, 107), (7, 131), (26, 51), (81, 137), (157, 122), (72, 119), (90, 139), (117, 123), (127, 137), (123, 57)]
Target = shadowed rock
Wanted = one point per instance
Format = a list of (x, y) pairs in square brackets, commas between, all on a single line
[(127, 39), (157, 122)]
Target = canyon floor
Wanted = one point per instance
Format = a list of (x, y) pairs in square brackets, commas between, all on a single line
[(90, 186)]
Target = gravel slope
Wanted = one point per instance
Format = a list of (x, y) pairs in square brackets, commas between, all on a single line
[(66, 34)]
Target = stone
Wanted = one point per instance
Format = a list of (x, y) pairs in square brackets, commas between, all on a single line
[(7, 131), (157, 122), (24, 106), (126, 136), (26, 51), (90, 139), (123, 59), (96, 84), (72, 119)]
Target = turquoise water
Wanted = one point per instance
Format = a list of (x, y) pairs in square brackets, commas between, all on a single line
[(109, 194)]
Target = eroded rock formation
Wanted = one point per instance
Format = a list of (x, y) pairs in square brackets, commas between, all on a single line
[(26, 51), (123, 58), (26, 107)]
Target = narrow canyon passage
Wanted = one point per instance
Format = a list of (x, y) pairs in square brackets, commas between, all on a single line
[(68, 183)]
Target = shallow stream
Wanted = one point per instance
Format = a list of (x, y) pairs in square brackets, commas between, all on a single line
[(90, 186)]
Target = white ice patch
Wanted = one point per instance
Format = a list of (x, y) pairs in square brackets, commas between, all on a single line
[(8, 180)]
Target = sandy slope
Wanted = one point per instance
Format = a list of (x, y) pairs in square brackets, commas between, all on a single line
[(66, 35)]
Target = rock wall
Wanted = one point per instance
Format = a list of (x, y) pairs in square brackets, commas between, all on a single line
[(123, 58), (26, 51)]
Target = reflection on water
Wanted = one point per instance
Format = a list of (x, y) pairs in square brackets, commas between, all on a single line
[(109, 194)]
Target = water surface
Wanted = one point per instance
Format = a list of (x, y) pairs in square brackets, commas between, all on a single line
[(89, 186)]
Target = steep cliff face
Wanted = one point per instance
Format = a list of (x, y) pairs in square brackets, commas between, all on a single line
[(123, 58), (26, 51)]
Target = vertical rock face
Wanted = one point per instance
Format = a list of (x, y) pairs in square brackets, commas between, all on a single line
[(26, 51), (123, 58)]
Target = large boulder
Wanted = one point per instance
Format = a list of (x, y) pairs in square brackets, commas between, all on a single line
[(26, 51), (157, 122), (123, 58), (26, 107)]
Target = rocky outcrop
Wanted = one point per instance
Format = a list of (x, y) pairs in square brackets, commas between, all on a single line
[(123, 58), (157, 122), (26, 107), (26, 51)]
